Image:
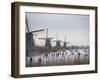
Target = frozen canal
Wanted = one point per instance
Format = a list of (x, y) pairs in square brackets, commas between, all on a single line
[(62, 57)]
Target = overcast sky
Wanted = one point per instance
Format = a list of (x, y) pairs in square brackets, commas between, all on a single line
[(74, 27)]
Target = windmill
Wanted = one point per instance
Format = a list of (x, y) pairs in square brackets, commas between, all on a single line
[(58, 42), (29, 37), (65, 44), (47, 40)]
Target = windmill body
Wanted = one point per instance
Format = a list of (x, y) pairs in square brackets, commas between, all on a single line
[(58, 44), (29, 41), (48, 43)]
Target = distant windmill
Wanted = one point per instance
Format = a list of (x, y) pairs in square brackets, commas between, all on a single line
[(29, 37), (65, 43), (47, 40), (58, 42)]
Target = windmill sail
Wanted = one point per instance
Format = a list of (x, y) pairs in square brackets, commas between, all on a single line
[(27, 26)]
